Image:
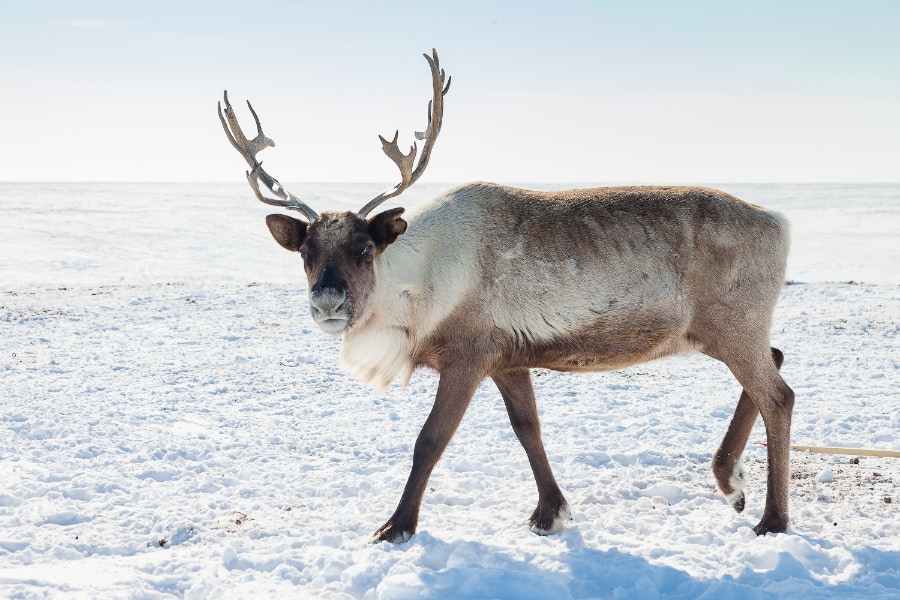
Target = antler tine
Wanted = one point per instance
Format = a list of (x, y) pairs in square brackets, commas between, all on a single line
[(405, 162), (248, 149), (435, 113), (288, 200)]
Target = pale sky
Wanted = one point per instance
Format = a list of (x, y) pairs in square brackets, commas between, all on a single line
[(563, 91)]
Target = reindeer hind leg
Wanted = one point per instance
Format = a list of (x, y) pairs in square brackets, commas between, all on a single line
[(727, 466), (765, 393)]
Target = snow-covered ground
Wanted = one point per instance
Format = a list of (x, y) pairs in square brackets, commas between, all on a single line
[(172, 424)]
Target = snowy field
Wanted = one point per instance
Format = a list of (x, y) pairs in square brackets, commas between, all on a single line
[(173, 425)]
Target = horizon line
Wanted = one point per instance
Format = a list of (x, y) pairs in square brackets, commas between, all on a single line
[(455, 184)]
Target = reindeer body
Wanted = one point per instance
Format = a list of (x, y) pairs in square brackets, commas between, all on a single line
[(578, 280), (491, 281)]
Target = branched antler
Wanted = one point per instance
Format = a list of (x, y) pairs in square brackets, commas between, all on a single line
[(248, 149), (405, 162)]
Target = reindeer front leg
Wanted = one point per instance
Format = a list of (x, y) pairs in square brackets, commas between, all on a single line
[(455, 390), (518, 394)]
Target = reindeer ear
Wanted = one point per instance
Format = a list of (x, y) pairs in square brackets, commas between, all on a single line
[(386, 227), (287, 231)]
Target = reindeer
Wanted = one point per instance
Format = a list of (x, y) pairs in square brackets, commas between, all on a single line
[(492, 281)]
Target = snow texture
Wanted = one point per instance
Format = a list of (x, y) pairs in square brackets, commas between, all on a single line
[(172, 424)]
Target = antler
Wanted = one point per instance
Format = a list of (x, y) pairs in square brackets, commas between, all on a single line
[(248, 149), (405, 162)]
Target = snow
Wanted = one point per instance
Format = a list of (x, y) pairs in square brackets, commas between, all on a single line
[(173, 425)]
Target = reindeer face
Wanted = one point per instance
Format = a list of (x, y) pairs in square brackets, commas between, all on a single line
[(339, 251)]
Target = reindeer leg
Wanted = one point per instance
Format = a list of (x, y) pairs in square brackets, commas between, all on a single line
[(455, 391), (518, 394), (727, 467), (775, 401), (776, 412)]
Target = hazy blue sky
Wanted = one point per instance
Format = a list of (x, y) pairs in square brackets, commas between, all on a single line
[(542, 91)]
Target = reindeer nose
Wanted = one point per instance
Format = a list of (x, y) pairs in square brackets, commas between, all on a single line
[(326, 302), (329, 302)]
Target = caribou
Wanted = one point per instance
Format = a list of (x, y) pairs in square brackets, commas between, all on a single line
[(492, 281)]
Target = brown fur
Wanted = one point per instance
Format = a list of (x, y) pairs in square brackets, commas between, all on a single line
[(490, 281)]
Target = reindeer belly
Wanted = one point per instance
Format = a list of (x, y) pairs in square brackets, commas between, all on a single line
[(606, 343)]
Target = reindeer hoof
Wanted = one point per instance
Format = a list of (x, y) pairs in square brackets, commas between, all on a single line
[(548, 523), (391, 533), (736, 498), (771, 525)]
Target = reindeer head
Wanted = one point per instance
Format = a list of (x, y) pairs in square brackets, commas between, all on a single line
[(339, 249)]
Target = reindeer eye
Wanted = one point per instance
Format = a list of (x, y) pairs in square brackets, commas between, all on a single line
[(368, 251)]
